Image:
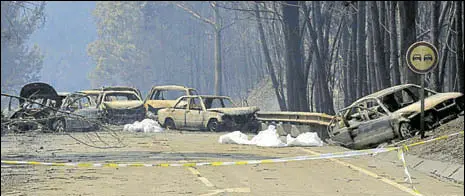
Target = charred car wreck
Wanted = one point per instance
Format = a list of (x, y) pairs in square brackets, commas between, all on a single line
[(205, 112), (40, 106), (36, 107), (392, 113)]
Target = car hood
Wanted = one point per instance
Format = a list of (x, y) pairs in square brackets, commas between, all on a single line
[(236, 111), (430, 102), (123, 104), (161, 103), (39, 90)]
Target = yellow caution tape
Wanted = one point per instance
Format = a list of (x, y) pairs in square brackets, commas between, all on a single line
[(247, 162)]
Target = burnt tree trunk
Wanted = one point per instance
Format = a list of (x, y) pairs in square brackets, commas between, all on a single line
[(435, 9), (408, 10), (459, 45), (394, 46), (379, 49), (296, 85), (362, 86), (274, 80)]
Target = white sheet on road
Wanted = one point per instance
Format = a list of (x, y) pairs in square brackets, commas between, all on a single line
[(269, 138), (146, 126)]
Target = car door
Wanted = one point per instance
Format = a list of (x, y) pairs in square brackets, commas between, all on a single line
[(375, 127), (156, 101), (178, 112), (194, 114)]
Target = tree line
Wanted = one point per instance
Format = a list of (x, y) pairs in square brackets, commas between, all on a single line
[(319, 56)]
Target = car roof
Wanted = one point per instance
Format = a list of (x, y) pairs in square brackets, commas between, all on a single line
[(380, 93), (63, 93), (90, 91), (205, 96), (389, 90), (171, 87)]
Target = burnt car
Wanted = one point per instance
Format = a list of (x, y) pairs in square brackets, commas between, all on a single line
[(78, 113), (94, 93), (207, 112), (39, 108), (393, 113), (165, 96), (120, 107)]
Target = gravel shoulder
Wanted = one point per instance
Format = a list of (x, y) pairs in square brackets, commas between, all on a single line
[(445, 150)]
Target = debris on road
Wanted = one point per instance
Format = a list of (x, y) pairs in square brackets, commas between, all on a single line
[(146, 126), (270, 138)]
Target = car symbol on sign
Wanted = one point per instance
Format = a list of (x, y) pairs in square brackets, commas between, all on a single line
[(417, 57), (428, 57)]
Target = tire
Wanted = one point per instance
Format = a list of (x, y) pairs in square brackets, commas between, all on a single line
[(212, 125), (405, 131), (169, 124), (59, 125)]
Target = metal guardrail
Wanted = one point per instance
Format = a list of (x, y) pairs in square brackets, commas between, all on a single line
[(296, 117)]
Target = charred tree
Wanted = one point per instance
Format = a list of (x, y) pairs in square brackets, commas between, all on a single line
[(394, 46), (459, 45), (408, 10), (296, 85), (278, 91), (362, 86)]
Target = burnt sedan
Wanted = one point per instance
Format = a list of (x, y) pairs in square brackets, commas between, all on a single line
[(120, 107), (206, 112), (393, 113), (77, 113)]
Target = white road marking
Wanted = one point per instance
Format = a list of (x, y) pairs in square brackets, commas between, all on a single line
[(229, 190)]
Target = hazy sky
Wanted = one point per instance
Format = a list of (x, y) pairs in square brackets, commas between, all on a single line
[(69, 28)]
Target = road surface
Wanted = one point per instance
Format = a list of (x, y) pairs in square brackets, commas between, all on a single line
[(355, 176)]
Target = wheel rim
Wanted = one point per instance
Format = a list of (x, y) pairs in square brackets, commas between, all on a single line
[(404, 130), (169, 124), (212, 125), (60, 126)]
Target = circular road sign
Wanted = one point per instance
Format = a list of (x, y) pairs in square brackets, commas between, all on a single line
[(422, 57)]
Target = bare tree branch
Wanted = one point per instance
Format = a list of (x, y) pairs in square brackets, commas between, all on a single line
[(195, 14)]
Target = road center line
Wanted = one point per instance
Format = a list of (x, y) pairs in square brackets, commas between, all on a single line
[(369, 173), (229, 190), (201, 178)]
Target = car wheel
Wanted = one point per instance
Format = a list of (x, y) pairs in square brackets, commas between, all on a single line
[(212, 125), (405, 131), (59, 125), (169, 124)]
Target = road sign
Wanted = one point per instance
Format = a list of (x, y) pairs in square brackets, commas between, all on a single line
[(422, 57)]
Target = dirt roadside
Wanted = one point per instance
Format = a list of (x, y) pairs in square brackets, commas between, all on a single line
[(446, 150)]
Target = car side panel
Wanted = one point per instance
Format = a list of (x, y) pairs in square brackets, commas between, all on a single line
[(374, 131)]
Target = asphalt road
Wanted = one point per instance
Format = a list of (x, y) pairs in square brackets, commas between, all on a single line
[(367, 175)]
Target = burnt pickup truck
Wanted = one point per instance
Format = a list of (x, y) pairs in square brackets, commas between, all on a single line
[(392, 113), (208, 112)]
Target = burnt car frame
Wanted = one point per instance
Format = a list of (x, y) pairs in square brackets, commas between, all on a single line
[(120, 107), (392, 113), (37, 106), (208, 112), (78, 113), (165, 96)]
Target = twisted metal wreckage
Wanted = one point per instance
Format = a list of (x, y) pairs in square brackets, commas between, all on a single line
[(40, 108)]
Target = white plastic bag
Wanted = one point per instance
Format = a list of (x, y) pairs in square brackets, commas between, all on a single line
[(267, 138), (305, 139), (235, 137), (146, 126)]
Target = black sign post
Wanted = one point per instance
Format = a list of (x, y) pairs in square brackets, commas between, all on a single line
[(422, 57)]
